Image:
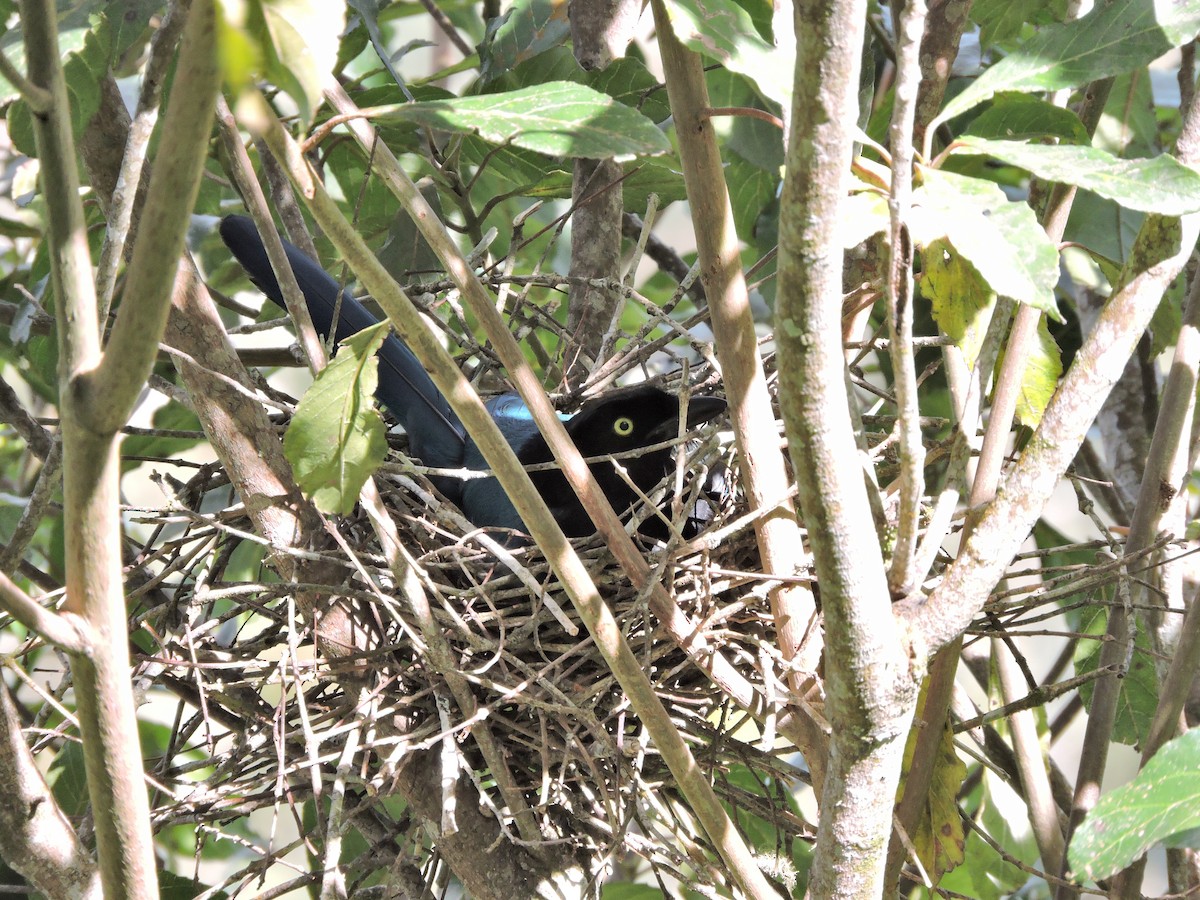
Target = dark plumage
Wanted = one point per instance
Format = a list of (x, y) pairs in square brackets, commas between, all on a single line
[(620, 421)]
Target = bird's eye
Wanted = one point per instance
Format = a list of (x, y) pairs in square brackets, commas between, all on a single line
[(623, 427)]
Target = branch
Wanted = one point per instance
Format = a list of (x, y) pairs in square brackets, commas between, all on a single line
[(39, 99), (91, 495), (871, 692), (66, 630), (39, 440), (760, 459), (49, 479), (1021, 340), (1163, 492), (129, 181), (600, 32), (111, 393), (36, 838), (902, 576), (1025, 490)]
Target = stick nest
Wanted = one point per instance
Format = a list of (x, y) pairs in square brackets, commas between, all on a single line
[(268, 714)]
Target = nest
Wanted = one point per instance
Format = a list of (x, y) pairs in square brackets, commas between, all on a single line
[(266, 716)]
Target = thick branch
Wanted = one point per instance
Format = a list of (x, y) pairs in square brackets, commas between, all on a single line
[(870, 691), (600, 31), (107, 716)]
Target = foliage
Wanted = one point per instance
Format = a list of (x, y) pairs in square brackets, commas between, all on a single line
[(1158, 806)]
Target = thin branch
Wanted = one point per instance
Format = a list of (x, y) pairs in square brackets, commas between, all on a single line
[(49, 479), (129, 181), (39, 99), (66, 630), (173, 186), (760, 458), (902, 574), (38, 439)]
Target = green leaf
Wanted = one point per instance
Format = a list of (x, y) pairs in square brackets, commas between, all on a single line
[(939, 839), (1000, 238), (528, 28), (962, 304), (557, 119), (1161, 801), (1040, 378), (644, 178), (73, 28), (627, 890), (557, 63), (723, 31), (1129, 127), (1103, 227), (178, 887), (864, 214), (295, 42), (304, 44), (761, 832), (626, 80), (93, 39), (405, 251), (630, 82), (1003, 20), (19, 221), (1139, 687), (337, 438), (1116, 36), (985, 874), (40, 365), (68, 779), (1161, 185), (1017, 117), (1167, 319), (752, 139), (11, 507), (751, 190), (129, 21), (1179, 20)]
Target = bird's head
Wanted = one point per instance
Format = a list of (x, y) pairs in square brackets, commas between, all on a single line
[(621, 422), (639, 416)]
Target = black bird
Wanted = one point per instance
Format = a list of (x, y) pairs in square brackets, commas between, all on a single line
[(621, 421)]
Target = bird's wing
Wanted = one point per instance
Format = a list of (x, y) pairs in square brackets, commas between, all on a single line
[(405, 388), (483, 499)]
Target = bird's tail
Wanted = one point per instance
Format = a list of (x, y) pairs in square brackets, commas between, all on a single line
[(405, 388)]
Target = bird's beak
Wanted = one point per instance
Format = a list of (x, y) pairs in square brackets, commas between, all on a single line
[(699, 411), (704, 409)]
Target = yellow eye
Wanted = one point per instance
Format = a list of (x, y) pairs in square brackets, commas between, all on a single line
[(623, 427)]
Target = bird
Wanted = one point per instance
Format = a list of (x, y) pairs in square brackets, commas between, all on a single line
[(623, 420)]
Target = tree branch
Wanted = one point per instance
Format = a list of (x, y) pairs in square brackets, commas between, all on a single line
[(110, 395), (871, 691), (36, 838), (760, 458)]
